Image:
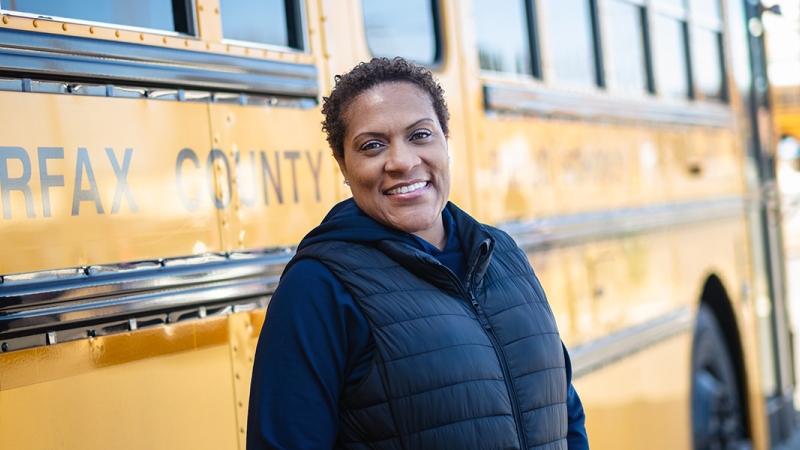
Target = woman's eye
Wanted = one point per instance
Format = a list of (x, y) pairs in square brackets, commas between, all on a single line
[(420, 134), (371, 145)]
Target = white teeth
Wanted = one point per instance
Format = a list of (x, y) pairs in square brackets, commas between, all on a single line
[(407, 189)]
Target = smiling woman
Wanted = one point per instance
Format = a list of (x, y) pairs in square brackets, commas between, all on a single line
[(395, 160), (401, 319)]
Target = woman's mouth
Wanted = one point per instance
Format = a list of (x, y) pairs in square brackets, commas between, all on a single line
[(407, 189)]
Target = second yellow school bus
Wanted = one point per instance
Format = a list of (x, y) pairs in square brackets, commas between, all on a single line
[(158, 163)]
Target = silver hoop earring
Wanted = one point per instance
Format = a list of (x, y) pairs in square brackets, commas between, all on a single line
[(346, 183)]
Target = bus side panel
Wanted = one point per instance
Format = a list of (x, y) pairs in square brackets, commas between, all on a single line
[(720, 248), (120, 179), (164, 387), (624, 411), (603, 287), (284, 182)]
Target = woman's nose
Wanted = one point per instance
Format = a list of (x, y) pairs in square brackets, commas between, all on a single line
[(401, 158)]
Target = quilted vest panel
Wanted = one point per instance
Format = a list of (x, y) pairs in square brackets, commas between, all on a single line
[(445, 374)]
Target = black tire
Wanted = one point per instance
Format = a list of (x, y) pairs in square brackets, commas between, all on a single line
[(717, 411)]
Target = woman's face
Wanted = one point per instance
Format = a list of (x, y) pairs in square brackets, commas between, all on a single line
[(395, 159)]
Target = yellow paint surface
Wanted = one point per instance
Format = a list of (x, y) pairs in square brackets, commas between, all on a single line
[(641, 402), (70, 359), (284, 182), (99, 218), (244, 330), (179, 401), (532, 167)]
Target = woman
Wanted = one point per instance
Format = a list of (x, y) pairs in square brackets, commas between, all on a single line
[(402, 322)]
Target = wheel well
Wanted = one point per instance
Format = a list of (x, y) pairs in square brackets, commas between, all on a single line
[(715, 296)]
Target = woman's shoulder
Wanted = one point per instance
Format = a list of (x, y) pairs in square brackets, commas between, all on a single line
[(309, 284), (306, 272)]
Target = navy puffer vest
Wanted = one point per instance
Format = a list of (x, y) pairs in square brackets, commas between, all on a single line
[(474, 365)]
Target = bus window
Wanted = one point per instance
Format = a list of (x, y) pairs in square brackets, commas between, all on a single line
[(707, 8), (503, 36), (166, 15), (271, 22), (572, 41), (408, 29), (671, 61), (628, 43), (707, 49)]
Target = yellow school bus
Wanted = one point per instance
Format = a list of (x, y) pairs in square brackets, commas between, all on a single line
[(159, 161)]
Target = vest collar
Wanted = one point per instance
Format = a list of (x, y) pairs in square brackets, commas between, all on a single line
[(476, 243)]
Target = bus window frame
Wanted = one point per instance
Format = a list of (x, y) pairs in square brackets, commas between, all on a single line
[(534, 39), (647, 47), (524, 94), (438, 36), (534, 44), (105, 62), (683, 16), (296, 29), (596, 48), (191, 8), (717, 26)]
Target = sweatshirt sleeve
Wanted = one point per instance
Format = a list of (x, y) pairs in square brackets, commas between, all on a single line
[(313, 340), (576, 429)]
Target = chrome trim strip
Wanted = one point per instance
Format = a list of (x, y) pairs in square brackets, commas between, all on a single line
[(139, 92), (69, 57), (42, 302), (122, 306), (577, 228), (39, 302), (548, 103), (594, 355)]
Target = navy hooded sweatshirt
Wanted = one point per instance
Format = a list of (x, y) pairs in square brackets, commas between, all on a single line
[(316, 343)]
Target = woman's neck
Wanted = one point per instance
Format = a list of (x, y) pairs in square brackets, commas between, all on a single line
[(434, 235)]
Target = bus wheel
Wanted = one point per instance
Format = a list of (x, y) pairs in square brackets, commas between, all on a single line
[(717, 419)]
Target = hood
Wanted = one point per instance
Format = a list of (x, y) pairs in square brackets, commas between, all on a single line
[(346, 222)]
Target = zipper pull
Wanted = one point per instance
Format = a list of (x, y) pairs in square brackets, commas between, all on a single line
[(479, 312), (474, 301)]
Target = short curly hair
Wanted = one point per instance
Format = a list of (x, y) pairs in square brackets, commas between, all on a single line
[(367, 75)]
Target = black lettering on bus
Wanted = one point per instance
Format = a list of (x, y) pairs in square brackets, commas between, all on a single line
[(249, 200), (266, 170), (191, 204), (122, 180), (315, 170), (85, 195), (47, 181), (8, 184), (219, 203), (293, 156)]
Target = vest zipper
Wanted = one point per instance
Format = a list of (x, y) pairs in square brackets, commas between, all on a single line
[(504, 365), (476, 307)]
